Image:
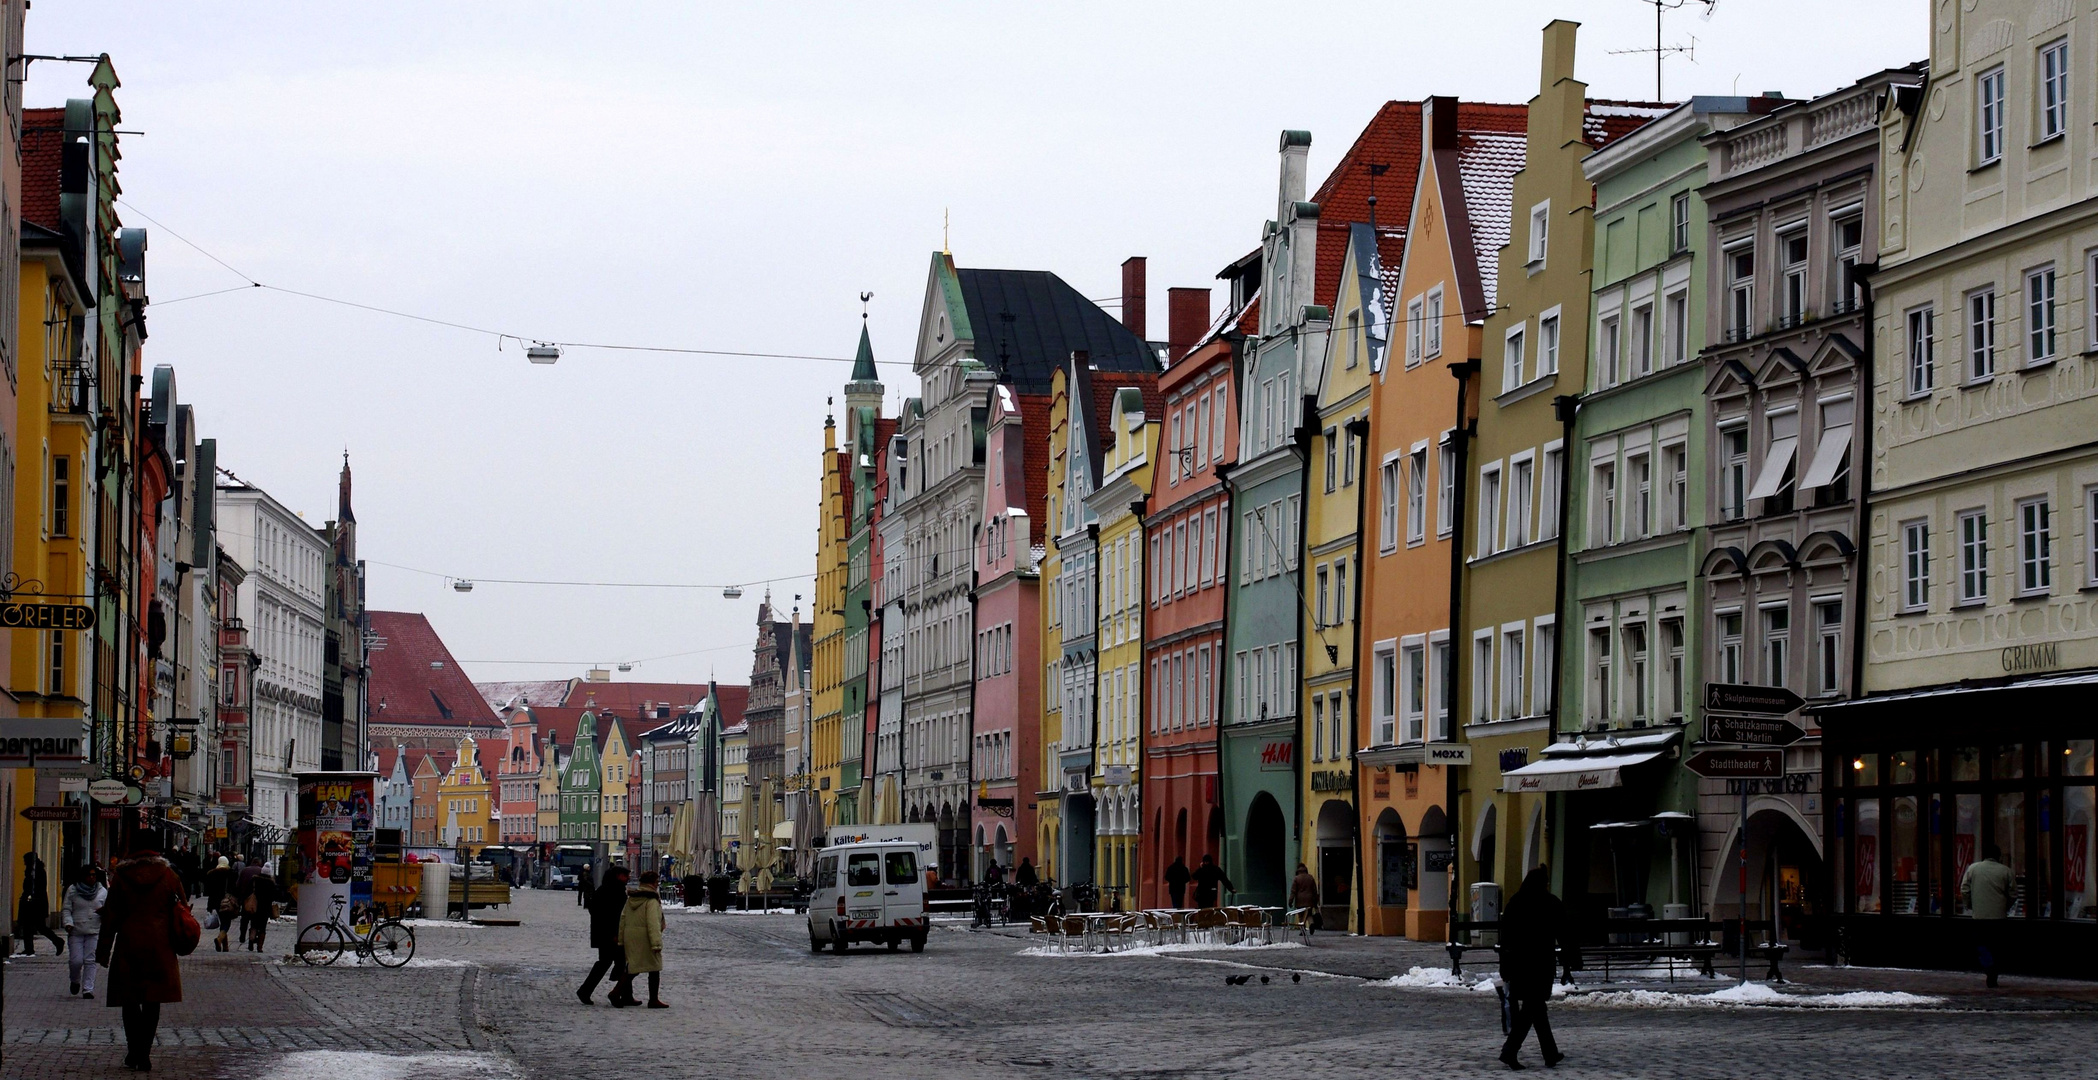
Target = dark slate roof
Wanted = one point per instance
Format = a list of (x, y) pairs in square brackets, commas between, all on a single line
[(1049, 320)]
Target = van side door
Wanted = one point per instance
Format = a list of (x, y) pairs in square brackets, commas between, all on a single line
[(863, 887), (903, 891)]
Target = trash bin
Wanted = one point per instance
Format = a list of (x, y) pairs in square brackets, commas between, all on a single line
[(1486, 907), (437, 889), (1676, 912), (717, 892)]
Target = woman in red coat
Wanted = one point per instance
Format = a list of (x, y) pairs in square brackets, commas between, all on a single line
[(138, 943)]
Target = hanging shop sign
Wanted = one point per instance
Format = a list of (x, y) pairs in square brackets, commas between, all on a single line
[(47, 616), (1447, 754), (108, 791)]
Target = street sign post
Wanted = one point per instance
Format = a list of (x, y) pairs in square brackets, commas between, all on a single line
[(1752, 730), (1737, 764), (1746, 698)]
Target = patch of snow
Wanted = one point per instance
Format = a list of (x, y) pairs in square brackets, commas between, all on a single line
[(364, 1065), (453, 923), (1758, 995), (1173, 949)]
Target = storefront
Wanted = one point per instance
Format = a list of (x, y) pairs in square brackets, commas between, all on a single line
[(1621, 842), (1259, 766), (1921, 784), (1504, 828), (1406, 859)]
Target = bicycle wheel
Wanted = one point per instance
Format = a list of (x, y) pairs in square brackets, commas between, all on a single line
[(392, 944), (320, 944)]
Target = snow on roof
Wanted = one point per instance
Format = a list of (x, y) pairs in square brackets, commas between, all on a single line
[(1487, 161)]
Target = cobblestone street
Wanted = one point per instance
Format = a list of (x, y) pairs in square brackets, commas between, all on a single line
[(749, 1000)]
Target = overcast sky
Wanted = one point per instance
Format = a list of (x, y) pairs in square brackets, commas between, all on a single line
[(725, 177)]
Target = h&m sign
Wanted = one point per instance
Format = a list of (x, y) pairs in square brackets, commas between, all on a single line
[(1277, 753)]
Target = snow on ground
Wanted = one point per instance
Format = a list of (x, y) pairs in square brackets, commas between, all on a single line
[(360, 1065), (1756, 995), (1164, 950), (1435, 978)]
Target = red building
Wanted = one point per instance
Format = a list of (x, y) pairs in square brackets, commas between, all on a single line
[(1005, 747)]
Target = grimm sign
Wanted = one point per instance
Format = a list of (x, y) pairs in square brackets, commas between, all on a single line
[(2032, 657), (1330, 780)]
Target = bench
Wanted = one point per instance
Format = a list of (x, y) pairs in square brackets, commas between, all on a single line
[(1611, 944)]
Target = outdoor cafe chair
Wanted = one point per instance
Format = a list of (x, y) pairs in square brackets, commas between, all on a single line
[(1074, 927), (1209, 922)]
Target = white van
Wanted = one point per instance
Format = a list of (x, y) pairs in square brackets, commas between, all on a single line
[(873, 891)]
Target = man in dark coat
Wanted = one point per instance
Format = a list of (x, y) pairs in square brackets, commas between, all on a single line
[(137, 943), (33, 910), (607, 903), (1208, 877), (1304, 894), (1177, 877), (258, 907), (1024, 876), (1532, 927)]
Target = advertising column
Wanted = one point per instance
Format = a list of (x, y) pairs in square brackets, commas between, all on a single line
[(333, 848)]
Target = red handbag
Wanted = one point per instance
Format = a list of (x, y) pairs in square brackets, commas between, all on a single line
[(183, 930)]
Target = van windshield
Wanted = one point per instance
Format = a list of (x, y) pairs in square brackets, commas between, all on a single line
[(903, 868), (863, 870)]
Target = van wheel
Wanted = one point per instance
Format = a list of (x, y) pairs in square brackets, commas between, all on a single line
[(837, 939), (815, 943), (918, 943)]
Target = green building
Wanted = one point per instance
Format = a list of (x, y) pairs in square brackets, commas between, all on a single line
[(581, 789)]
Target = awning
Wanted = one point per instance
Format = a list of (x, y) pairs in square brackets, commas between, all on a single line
[(1585, 765), (1775, 464), (1828, 458)]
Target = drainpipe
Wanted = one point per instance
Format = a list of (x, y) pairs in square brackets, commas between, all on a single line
[(1567, 407), (1301, 439), (1460, 447), (1137, 507), (1358, 428)]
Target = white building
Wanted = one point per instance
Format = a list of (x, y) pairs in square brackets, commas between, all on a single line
[(281, 606)]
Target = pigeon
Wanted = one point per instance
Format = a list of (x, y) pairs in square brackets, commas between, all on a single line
[(1263, 980), (1296, 977), (1236, 980)]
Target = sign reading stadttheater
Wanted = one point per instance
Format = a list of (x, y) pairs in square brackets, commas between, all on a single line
[(1737, 764), (1745, 698), (47, 616)]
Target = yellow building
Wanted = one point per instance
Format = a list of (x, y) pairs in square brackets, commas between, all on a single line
[(550, 761), (50, 552), (615, 764), (465, 814), (736, 816), (1048, 834), (1332, 522), (1130, 447), (827, 660)]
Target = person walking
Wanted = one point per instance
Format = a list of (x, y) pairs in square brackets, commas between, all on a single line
[(33, 909), (218, 881), (1024, 876), (1177, 877), (1208, 877), (606, 903), (1304, 894), (83, 919), (1987, 890), (258, 908), (641, 941), (1532, 927), (137, 944)]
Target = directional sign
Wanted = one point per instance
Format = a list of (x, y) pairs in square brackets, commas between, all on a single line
[(1744, 698), (51, 813), (1737, 764), (1752, 730), (47, 616)]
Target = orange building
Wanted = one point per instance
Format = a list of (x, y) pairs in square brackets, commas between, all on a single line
[(1424, 391)]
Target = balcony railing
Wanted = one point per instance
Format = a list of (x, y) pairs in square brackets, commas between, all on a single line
[(72, 388)]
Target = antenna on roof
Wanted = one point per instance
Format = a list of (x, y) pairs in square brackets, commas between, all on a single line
[(1660, 51), (1376, 171)]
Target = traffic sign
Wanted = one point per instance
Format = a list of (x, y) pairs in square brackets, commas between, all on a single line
[(1737, 764), (1752, 730), (47, 616), (1745, 698)]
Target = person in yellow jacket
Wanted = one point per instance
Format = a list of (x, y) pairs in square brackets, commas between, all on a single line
[(641, 937)]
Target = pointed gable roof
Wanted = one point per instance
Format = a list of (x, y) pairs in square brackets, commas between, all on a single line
[(863, 361), (413, 678)]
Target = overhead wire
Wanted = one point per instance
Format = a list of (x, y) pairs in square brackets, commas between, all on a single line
[(586, 584)]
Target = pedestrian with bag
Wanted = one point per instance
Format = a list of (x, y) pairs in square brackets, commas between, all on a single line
[(1533, 926), (641, 940), (1177, 877), (146, 925), (1987, 890), (259, 907), (83, 919), (606, 901), (33, 909), (1304, 895), (218, 881)]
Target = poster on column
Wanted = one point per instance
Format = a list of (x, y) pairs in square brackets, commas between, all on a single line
[(334, 843)]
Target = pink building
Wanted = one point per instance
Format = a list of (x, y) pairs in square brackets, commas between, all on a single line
[(517, 777), (1005, 748)]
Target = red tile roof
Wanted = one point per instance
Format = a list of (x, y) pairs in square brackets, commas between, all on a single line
[(1608, 121), (415, 680), (628, 697), (43, 138)]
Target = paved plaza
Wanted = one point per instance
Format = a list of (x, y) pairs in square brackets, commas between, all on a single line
[(749, 1000)]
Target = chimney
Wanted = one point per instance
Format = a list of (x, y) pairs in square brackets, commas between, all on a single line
[(1296, 147), (1442, 123), (1187, 316), (1133, 294)]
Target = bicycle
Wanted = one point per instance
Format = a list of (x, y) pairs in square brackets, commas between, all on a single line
[(389, 941)]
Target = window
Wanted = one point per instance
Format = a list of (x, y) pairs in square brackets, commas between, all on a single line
[(1792, 249), (1635, 669), (1679, 223), (1433, 315), (1519, 501), (1777, 644), (1354, 337), (1915, 565), (1318, 728), (1416, 323), (1603, 529), (1323, 583), (1643, 340), (1482, 677), (1347, 463), (1340, 591), (1416, 691), (1216, 429), (1548, 344), (1974, 556), (1388, 505), (1639, 486), (1675, 504), (1540, 232), (1209, 546), (1489, 510), (61, 496), (1921, 331), (57, 668), (1445, 674), (1606, 373), (2054, 88), (1417, 496), (1337, 749), (1332, 458), (2035, 554), (1989, 114), (1981, 334), (1675, 318), (1548, 495), (2039, 315), (1599, 673), (1672, 641), (1512, 671), (1384, 690), (1828, 473), (1828, 646), (1741, 293), (1850, 243), (1446, 464), (1512, 360), (1730, 647), (2090, 534)]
